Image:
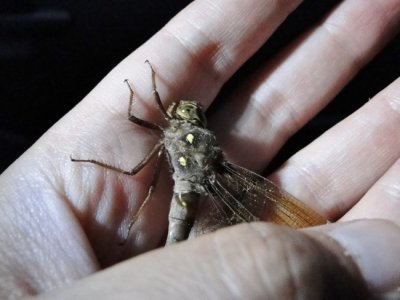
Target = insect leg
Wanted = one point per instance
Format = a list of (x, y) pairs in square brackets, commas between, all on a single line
[(155, 92), (135, 119), (149, 194), (134, 170)]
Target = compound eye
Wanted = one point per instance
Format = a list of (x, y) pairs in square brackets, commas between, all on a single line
[(185, 111), (191, 112)]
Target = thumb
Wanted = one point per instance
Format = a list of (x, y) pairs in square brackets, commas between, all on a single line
[(373, 246), (253, 261)]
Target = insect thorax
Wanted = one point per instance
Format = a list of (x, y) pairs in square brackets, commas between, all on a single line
[(193, 154)]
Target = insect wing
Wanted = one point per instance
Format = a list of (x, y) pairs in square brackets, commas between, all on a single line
[(280, 207), (240, 195)]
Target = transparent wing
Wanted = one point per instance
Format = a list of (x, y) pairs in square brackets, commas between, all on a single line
[(240, 195)]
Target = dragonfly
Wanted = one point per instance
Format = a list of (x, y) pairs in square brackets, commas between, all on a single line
[(202, 173)]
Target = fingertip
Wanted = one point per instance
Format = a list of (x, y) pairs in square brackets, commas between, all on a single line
[(374, 247)]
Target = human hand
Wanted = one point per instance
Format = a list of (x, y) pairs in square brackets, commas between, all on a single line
[(61, 221)]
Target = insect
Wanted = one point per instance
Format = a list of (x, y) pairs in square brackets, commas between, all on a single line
[(200, 169)]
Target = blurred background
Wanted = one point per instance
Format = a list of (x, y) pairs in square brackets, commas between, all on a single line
[(52, 53)]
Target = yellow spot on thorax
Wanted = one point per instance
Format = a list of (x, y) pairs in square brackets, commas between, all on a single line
[(182, 161), (190, 138)]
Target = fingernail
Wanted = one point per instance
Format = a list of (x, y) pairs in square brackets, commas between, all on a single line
[(374, 245)]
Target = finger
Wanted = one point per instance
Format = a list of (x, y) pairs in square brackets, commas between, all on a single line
[(253, 262), (381, 201), (199, 49), (335, 171), (287, 92), (373, 246)]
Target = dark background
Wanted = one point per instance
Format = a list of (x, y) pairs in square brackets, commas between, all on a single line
[(52, 53)]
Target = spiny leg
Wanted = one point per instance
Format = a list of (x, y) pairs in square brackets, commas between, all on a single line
[(139, 122), (155, 92), (133, 171), (148, 197), (135, 119)]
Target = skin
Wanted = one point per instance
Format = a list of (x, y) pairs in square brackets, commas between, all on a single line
[(62, 221)]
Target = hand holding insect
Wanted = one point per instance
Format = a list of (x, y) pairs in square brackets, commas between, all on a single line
[(200, 169), (62, 222)]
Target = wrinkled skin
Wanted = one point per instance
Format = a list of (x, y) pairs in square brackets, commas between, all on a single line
[(61, 222)]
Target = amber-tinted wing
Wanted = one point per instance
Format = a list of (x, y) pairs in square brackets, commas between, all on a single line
[(239, 195)]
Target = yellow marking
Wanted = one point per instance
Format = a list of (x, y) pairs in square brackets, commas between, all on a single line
[(190, 138), (182, 161), (181, 201)]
